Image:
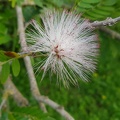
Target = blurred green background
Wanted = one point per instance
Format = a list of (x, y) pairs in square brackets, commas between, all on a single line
[(98, 99)]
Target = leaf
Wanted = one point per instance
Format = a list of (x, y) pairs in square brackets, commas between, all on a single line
[(4, 39), (48, 118), (57, 3), (106, 8), (4, 73), (100, 12), (94, 14), (28, 112), (15, 67), (13, 3), (3, 29), (91, 1), (11, 117), (90, 17), (4, 116), (81, 9), (39, 3), (32, 12), (109, 2), (85, 5), (96, 9), (19, 2)]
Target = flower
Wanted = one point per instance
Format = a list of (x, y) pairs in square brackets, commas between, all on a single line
[(70, 44)]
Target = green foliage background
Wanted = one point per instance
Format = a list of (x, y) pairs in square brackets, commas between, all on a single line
[(98, 99)]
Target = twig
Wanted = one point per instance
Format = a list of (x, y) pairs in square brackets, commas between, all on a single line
[(15, 93), (107, 22), (113, 33), (32, 79), (57, 107)]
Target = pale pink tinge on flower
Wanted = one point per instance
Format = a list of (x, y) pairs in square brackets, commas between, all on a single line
[(69, 43)]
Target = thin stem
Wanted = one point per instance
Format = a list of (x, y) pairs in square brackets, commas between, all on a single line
[(17, 57), (113, 33), (32, 79), (107, 22)]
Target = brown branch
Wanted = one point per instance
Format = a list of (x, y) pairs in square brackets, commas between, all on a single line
[(15, 93), (107, 22), (34, 88), (113, 33), (32, 79)]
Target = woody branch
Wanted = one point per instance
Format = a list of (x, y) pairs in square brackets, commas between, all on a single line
[(107, 22)]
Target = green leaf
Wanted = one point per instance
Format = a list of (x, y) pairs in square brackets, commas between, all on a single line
[(91, 1), (13, 3), (4, 39), (15, 67), (48, 118), (106, 8), (3, 29), (100, 12), (39, 3), (19, 2), (85, 5), (57, 3), (11, 117), (4, 73), (81, 9), (109, 2), (4, 115), (33, 113), (94, 14), (32, 12), (90, 17), (96, 11)]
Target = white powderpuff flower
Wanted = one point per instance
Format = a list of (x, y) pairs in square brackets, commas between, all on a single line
[(69, 43)]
